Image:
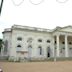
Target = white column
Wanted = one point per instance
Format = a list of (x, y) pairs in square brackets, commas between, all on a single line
[(53, 47), (57, 46), (66, 46), (54, 55)]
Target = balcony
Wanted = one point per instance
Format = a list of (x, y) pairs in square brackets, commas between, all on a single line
[(21, 50), (18, 49)]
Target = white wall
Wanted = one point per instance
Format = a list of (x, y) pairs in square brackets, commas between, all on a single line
[(25, 34), (7, 36)]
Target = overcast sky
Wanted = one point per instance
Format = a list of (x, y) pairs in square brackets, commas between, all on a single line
[(47, 14)]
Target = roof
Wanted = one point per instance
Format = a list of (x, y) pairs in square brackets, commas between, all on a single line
[(35, 28), (7, 30), (31, 28)]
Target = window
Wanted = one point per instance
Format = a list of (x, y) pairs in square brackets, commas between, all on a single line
[(55, 48), (30, 40), (19, 46), (70, 43), (19, 38), (63, 42), (29, 51), (29, 46), (39, 40), (48, 41), (63, 48), (48, 51), (55, 42), (40, 50), (70, 48)]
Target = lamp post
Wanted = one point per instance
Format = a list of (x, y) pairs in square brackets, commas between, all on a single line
[(1, 6)]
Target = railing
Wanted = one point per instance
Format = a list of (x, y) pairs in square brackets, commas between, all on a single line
[(20, 49)]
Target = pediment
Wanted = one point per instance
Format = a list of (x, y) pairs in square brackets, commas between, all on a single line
[(65, 29)]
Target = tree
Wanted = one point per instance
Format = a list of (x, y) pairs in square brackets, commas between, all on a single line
[(1, 42)]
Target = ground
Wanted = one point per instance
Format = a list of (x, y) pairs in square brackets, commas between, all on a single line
[(65, 66)]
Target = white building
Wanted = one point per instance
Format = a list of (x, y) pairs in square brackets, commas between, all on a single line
[(31, 42)]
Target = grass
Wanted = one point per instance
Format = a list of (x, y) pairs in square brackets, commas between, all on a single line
[(43, 60)]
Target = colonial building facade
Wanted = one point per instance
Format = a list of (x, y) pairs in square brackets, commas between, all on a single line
[(30, 42)]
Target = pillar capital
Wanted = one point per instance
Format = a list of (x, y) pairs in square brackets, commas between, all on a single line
[(66, 35), (58, 35)]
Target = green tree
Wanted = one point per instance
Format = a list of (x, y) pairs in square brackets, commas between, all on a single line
[(1, 42)]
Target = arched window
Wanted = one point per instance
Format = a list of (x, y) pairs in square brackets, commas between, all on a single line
[(48, 41), (40, 50), (19, 39), (70, 43), (39, 40), (55, 42), (63, 42), (48, 49), (29, 40), (19, 46), (30, 46), (48, 52)]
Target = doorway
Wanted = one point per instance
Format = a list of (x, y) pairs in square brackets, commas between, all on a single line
[(48, 52), (29, 51)]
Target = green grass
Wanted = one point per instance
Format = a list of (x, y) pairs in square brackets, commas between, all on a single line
[(52, 59), (44, 60)]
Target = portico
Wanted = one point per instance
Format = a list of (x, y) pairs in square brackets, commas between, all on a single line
[(63, 45)]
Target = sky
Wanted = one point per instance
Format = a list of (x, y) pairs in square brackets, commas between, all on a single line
[(36, 13)]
